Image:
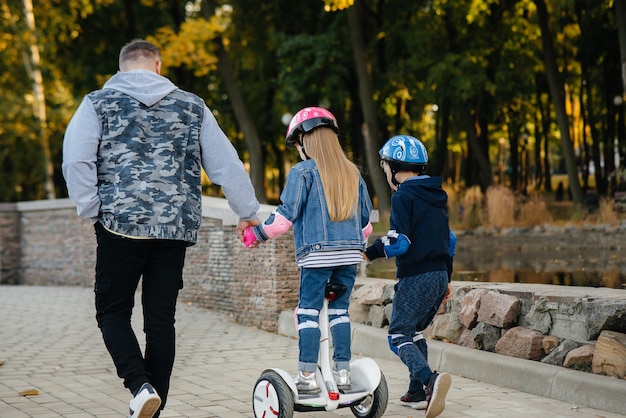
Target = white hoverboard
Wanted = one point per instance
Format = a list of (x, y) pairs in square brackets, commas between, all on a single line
[(275, 393)]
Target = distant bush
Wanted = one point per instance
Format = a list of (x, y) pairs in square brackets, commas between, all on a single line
[(500, 207)]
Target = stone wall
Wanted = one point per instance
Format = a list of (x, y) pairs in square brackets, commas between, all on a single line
[(9, 243), (575, 327), (45, 243)]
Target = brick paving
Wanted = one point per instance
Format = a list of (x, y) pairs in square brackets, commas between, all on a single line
[(49, 342)]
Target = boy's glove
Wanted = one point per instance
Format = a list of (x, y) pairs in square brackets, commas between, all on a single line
[(391, 245), (395, 244), (375, 250)]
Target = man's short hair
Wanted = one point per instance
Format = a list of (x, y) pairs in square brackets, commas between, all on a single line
[(138, 49)]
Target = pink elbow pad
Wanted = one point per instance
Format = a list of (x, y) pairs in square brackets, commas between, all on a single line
[(278, 225), (367, 231)]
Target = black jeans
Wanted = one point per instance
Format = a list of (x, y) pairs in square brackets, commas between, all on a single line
[(120, 263)]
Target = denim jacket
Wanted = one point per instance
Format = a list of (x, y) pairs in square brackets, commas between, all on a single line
[(304, 204)]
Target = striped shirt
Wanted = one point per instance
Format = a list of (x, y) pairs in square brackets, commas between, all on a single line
[(319, 259)]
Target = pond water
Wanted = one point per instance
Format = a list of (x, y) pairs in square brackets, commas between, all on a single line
[(604, 268)]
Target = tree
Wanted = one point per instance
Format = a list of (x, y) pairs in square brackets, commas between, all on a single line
[(28, 44), (370, 129), (620, 15), (32, 62), (558, 100), (240, 109)]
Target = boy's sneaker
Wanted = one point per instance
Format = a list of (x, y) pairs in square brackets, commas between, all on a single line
[(145, 404), (307, 384), (436, 390), (416, 400), (342, 378)]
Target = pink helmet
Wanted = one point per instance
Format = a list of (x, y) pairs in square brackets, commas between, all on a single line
[(308, 119)]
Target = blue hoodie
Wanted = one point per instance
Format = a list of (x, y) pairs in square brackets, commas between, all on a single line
[(419, 212)]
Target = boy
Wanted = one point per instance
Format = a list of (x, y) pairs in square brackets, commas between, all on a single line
[(419, 238)]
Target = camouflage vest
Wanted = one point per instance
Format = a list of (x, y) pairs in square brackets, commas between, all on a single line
[(149, 165)]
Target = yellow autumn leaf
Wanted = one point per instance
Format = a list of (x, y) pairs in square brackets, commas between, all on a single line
[(29, 392)]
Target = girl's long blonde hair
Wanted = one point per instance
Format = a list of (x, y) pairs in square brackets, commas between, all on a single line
[(340, 176)]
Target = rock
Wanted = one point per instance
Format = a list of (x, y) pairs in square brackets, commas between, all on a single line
[(469, 307), (580, 358), (549, 343), (498, 309), (446, 327), (539, 318), (605, 314), (376, 317), (486, 336), (358, 312), (388, 293), (609, 357), (569, 320), (388, 311), (466, 340), (557, 355), (372, 294), (522, 343)]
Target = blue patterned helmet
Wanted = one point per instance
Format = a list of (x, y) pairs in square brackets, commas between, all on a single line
[(405, 153)]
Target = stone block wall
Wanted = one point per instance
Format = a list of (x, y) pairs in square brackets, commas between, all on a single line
[(253, 286), (45, 243), (9, 243), (56, 247), (531, 321)]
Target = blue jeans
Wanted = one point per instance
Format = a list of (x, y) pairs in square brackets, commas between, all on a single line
[(311, 300), (415, 304), (120, 263)]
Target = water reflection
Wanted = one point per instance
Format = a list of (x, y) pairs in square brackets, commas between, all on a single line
[(564, 268)]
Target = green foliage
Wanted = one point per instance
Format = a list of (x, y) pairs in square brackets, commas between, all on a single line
[(313, 70), (482, 58)]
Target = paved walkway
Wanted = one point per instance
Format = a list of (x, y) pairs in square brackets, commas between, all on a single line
[(49, 342)]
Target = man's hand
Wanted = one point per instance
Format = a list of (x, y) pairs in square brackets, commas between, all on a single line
[(242, 225)]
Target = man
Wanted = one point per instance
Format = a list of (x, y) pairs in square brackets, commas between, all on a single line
[(132, 158)]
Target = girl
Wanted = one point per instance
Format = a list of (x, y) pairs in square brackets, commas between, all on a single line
[(326, 202)]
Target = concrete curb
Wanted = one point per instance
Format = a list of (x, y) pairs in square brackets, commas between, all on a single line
[(579, 388)]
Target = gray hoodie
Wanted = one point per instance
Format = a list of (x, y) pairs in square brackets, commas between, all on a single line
[(110, 160)]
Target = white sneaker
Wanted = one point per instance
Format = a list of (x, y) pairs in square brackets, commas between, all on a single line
[(307, 384), (145, 404), (342, 378)]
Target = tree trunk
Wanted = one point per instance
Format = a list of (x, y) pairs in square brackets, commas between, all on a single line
[(620, 17), (437, 160), (370, 127), (32, 63), (250, 134), (558, 100), (485, 174), (543, 127)]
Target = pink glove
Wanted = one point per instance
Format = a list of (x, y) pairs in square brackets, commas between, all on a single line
[(248, 237)]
